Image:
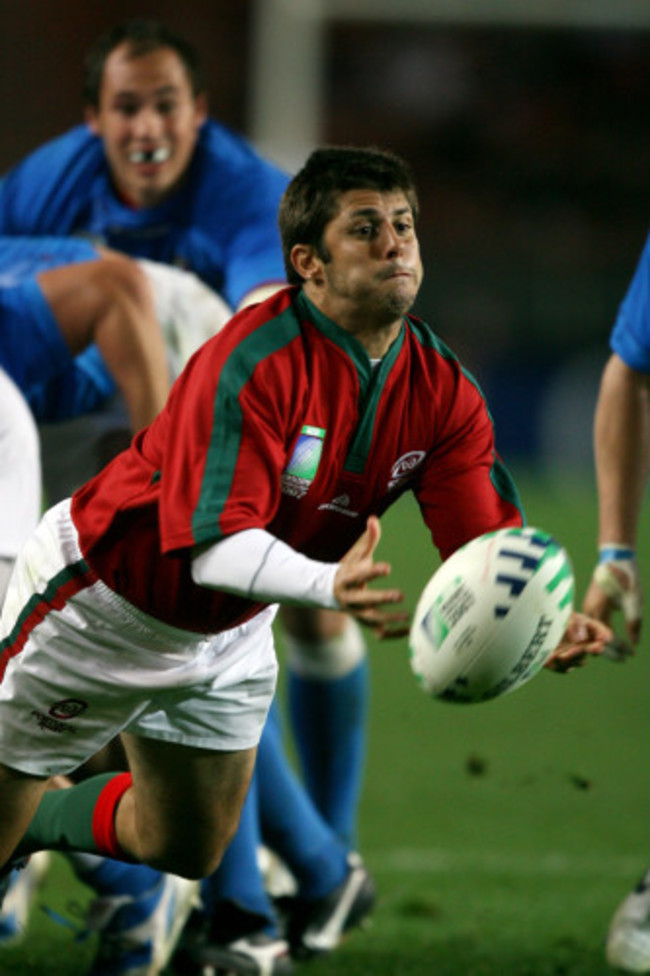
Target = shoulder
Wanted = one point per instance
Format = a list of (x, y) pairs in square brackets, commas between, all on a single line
[(253, 335), (441, 366), (77, 144), (261, 330), (424, 336), (232, 153), (44, 193)]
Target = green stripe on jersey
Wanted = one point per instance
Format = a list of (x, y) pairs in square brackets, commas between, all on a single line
[(226, 433), (371, 381)]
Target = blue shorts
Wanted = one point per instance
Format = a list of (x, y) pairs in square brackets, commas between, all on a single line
[(32, 349)]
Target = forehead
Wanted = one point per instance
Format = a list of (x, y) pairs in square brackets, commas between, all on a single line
[(142, 73), (365, 201)]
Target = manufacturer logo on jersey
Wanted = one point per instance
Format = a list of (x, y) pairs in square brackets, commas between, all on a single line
[(340, 504), (303, 466), (404, 468)]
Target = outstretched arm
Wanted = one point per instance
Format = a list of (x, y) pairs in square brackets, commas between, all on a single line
[(257, 565), (622, 450)]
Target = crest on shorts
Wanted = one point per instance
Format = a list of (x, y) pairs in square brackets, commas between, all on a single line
[(68, 708)]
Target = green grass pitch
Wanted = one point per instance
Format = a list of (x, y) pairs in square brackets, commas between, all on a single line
[(502, 835)]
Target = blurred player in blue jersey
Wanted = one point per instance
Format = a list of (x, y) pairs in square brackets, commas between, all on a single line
[(151, 175), (622, 449)]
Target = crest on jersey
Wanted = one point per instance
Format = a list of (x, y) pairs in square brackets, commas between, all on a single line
[(404, 468), (303, 465)]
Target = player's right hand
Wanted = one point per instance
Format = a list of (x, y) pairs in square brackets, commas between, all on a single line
[(616, 585), (358, 568)]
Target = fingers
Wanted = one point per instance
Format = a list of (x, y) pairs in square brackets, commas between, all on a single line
[(616, 585), (617, 650), (633, 631), (597, 604), (562, 665), (355, 597), (620, 584), (366, 544), (385, 625), (356, 570), (583, 629), (584, 637)]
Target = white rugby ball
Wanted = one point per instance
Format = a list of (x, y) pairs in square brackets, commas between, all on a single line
[(490, 617)]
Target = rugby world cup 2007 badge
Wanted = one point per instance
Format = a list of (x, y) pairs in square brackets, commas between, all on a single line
[(302, 468)]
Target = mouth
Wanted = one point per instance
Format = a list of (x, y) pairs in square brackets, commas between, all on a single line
[(397, 273), (150, 156)]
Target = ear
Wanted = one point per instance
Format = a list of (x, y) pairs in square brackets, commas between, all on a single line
[(201, 108), (90, 115), (305, 261)]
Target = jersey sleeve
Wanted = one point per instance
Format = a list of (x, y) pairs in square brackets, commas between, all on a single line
[(238, 207), (43, 194), (228, 449), (630, 338), (464, 489)]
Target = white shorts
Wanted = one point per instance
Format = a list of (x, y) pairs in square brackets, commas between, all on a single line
[(74, 677)]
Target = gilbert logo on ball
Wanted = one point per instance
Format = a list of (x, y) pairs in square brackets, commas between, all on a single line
[(490, 617)]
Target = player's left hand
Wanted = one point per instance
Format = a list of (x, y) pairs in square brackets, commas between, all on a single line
[(584, 636), (369, 606)]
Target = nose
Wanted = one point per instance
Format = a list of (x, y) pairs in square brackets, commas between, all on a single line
[(391, 241), (146, 124)]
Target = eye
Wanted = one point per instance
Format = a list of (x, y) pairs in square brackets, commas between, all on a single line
[(166, 108), (128, 109)]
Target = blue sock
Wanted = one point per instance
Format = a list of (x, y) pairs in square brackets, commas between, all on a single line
[(108, 877), (329, 722), (291, 825), (238, 879)]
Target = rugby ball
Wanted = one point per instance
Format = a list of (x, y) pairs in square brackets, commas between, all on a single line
[(491, 616)]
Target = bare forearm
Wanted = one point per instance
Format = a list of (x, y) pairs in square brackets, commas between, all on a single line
[(622, 450)]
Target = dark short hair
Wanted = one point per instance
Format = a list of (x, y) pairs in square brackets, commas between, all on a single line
[(141, 36), (311, 199)]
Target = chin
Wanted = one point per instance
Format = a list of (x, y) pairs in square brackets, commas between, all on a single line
[(401, 302)]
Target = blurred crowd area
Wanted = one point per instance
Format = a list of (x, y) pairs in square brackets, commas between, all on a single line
[(532, 152)]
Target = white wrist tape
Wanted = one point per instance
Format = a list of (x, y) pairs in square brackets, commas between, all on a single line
[(617, 574)]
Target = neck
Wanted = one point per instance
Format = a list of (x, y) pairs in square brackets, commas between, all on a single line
[(375, 333), (375, 341)]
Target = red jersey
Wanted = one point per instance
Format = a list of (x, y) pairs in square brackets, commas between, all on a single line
[(281, 422)]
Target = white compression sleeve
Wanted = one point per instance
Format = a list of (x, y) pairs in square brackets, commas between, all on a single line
[(255, 564)]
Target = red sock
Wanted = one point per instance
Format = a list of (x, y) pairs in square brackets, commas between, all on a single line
[(104, 817)]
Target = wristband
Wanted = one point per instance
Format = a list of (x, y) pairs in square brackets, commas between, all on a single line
[(610, 552)]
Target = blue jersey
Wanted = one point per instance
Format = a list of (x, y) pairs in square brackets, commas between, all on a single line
[(630, 337), (33, 351), (221, 224)]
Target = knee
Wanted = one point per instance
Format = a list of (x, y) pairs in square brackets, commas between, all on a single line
[(186, 860), (193, 854), (324, 654), (122, 278)]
